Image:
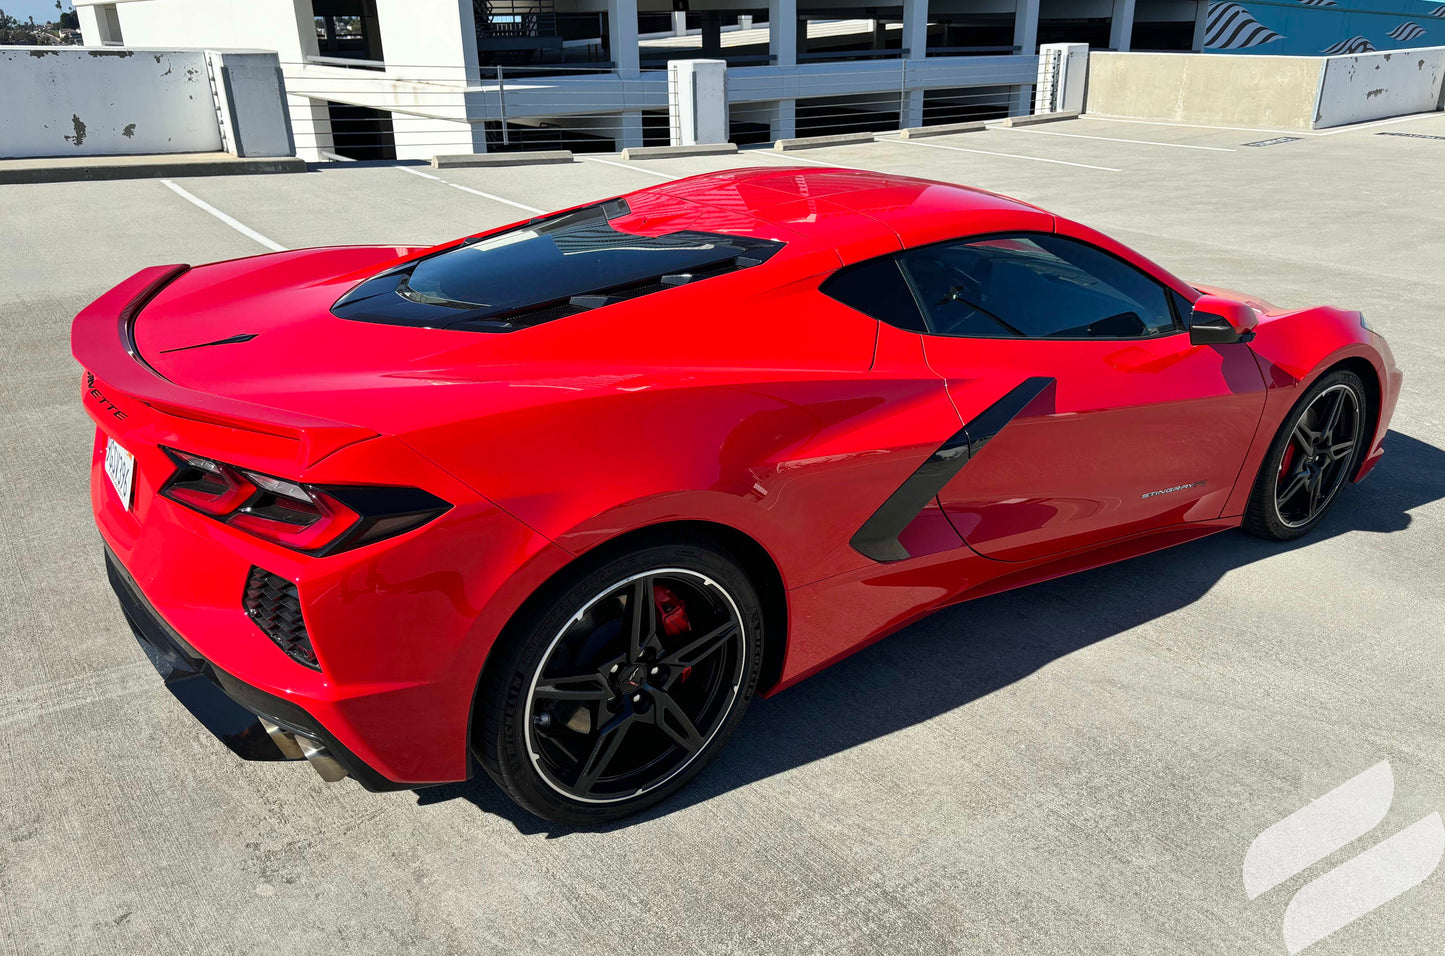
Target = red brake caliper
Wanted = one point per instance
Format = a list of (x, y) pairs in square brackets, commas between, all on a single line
[(674, 616), (1286, 461)]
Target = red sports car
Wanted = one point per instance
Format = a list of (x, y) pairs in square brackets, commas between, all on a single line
[(560, 498)]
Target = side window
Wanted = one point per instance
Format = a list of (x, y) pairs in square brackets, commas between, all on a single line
[(1035, 286), (877, 289)]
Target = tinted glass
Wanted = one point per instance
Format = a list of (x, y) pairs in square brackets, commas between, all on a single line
[(559, 260), (1036, 286), (876, 288)]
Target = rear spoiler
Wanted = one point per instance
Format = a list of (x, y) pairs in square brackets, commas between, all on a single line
[(103, 342)]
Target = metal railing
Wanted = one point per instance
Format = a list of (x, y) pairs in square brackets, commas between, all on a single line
[(421, 111)]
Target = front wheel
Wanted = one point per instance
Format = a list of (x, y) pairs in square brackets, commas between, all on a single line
[(1316, 450), (614, 695)]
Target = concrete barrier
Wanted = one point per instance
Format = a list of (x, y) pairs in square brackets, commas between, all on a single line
[(535, 157), (1277, 92), (1037, 118), (917, 132), (664, 152), (1273, 91), (62, 101), (1356, 89), (67, 169), (74, 101), (817, 142)]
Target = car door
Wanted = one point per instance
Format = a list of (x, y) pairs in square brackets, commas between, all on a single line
[(1089, 414)]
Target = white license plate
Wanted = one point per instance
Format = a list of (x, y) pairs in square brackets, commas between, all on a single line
[(120, 469)]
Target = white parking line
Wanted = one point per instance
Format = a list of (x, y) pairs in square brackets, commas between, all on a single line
[(475, 192), (635, 169), (418, 172), (240, 227), (1110, 139), (772, 154), (985, 152)]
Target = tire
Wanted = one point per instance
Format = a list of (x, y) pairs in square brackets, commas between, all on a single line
[(1308, 463), (584, 719)]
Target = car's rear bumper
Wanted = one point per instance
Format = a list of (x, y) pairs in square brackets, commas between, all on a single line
[(229, 708)]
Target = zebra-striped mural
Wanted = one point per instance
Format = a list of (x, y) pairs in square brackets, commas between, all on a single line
[(1328, 27)]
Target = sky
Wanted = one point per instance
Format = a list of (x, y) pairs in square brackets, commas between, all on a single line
[(41, 10)]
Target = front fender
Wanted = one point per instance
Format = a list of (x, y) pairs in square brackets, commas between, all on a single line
[(1294, 349)]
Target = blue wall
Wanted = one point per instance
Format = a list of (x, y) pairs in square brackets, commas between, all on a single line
[(1314, 27)]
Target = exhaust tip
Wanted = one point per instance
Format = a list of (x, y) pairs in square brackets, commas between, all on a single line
[(294, 746), (325, 765), (285, 743)]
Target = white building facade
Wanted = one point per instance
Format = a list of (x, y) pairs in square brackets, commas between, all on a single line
[(381, 79)]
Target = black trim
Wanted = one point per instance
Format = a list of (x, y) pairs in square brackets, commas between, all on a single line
[(125, 322), (233, 340), (226, 706), (1215, 330), (878, 538)]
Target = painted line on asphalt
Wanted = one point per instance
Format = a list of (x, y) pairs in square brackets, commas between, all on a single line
[(635, 169), (1111, 139), (240, 227), (985, 152), (418, 172), (771, 154), (475, 192)]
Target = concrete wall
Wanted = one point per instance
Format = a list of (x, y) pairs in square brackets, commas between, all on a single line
[(64, 101), (61, 101), (251, 102), (1273, 91), (1355, 89), (1279, 92)]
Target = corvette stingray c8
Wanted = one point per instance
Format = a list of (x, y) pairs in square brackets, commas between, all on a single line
[(558, 499)]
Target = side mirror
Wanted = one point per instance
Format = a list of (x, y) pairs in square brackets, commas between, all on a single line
[(1220, 321)]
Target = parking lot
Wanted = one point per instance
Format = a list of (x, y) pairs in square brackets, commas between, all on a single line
[(1076, 767)]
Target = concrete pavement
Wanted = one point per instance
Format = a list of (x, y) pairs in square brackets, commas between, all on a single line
[(1077, 767)]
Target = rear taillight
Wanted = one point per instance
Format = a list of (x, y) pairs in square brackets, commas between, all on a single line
[(286, 513), (314, 519), (205, 485)]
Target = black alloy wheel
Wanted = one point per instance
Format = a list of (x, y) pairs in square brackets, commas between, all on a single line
[(621, 704), (618, 703), (1316, 451), (1316, 461)]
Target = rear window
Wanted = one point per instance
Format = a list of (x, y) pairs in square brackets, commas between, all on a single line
[(877, 289), (546, 269)]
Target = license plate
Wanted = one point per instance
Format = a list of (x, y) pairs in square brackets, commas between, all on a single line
[(120, 469)]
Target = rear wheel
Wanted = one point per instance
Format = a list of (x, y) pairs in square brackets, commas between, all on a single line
[(1313, 456), (614, 695)]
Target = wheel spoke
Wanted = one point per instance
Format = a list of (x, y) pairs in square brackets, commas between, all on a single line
[(698, 650), (1304, 437), (609, 739), (1299, 481), (1332, 417), (580, 687), (641, 618), (1316, 490), (1341, 450), (671, 720)]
